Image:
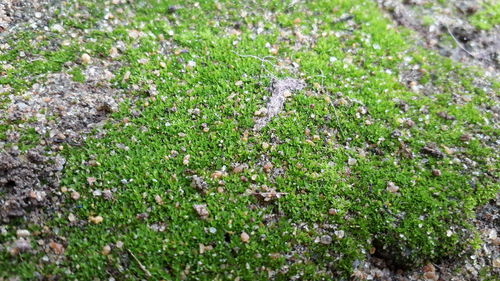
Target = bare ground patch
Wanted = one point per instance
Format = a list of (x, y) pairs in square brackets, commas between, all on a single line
[(447, 30), (60, 111), (32, 13)]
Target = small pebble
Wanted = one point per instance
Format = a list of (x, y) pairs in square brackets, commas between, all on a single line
[(352, 161), (57, 248), (97, 193), (107, 194), (216, 175), (85, 59), (20, 246), (185, 160), (239, 169), (275, 256), (267, 167), (326, 239), (158, 200), (496, 263), (191, 64), (409, 123), (261, 112), (340, 234), (91, 180), (22, 233), (96, 219), (496, 241), (113, 52), (274, 50), (244, 237), (391, 187), (172, 9), (201, 210), (465, 137), (75, 195), (106, 250), (119, 244), (57, 28)]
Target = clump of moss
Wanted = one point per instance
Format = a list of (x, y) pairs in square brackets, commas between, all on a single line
[(487, 17)]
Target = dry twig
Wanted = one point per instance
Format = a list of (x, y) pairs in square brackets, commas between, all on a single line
[(458, 42), (263, 60), (141, 266)]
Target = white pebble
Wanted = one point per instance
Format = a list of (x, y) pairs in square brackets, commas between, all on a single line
[(22, 233)]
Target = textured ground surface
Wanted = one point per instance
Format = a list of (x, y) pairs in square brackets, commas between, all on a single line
[(285, 140)]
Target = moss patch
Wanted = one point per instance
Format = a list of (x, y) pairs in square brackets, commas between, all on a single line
[(357, 160)]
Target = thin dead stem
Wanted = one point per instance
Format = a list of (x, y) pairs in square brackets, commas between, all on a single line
[(458, 42), (141, 266)]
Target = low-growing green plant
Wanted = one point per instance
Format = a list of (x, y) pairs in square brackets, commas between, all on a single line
[(487, 17), (346, 167)]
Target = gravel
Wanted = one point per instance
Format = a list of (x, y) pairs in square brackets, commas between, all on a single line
[(22, 14)]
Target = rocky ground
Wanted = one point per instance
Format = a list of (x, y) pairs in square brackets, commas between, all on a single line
[(66, 113)]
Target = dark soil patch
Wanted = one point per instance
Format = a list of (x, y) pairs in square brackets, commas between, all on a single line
[(26, 181)]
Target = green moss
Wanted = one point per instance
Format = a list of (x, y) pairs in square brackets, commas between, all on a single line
[(344, 162), (77, 75), (487, 17)]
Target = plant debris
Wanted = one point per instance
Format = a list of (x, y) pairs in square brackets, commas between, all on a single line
[(278, 89)]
